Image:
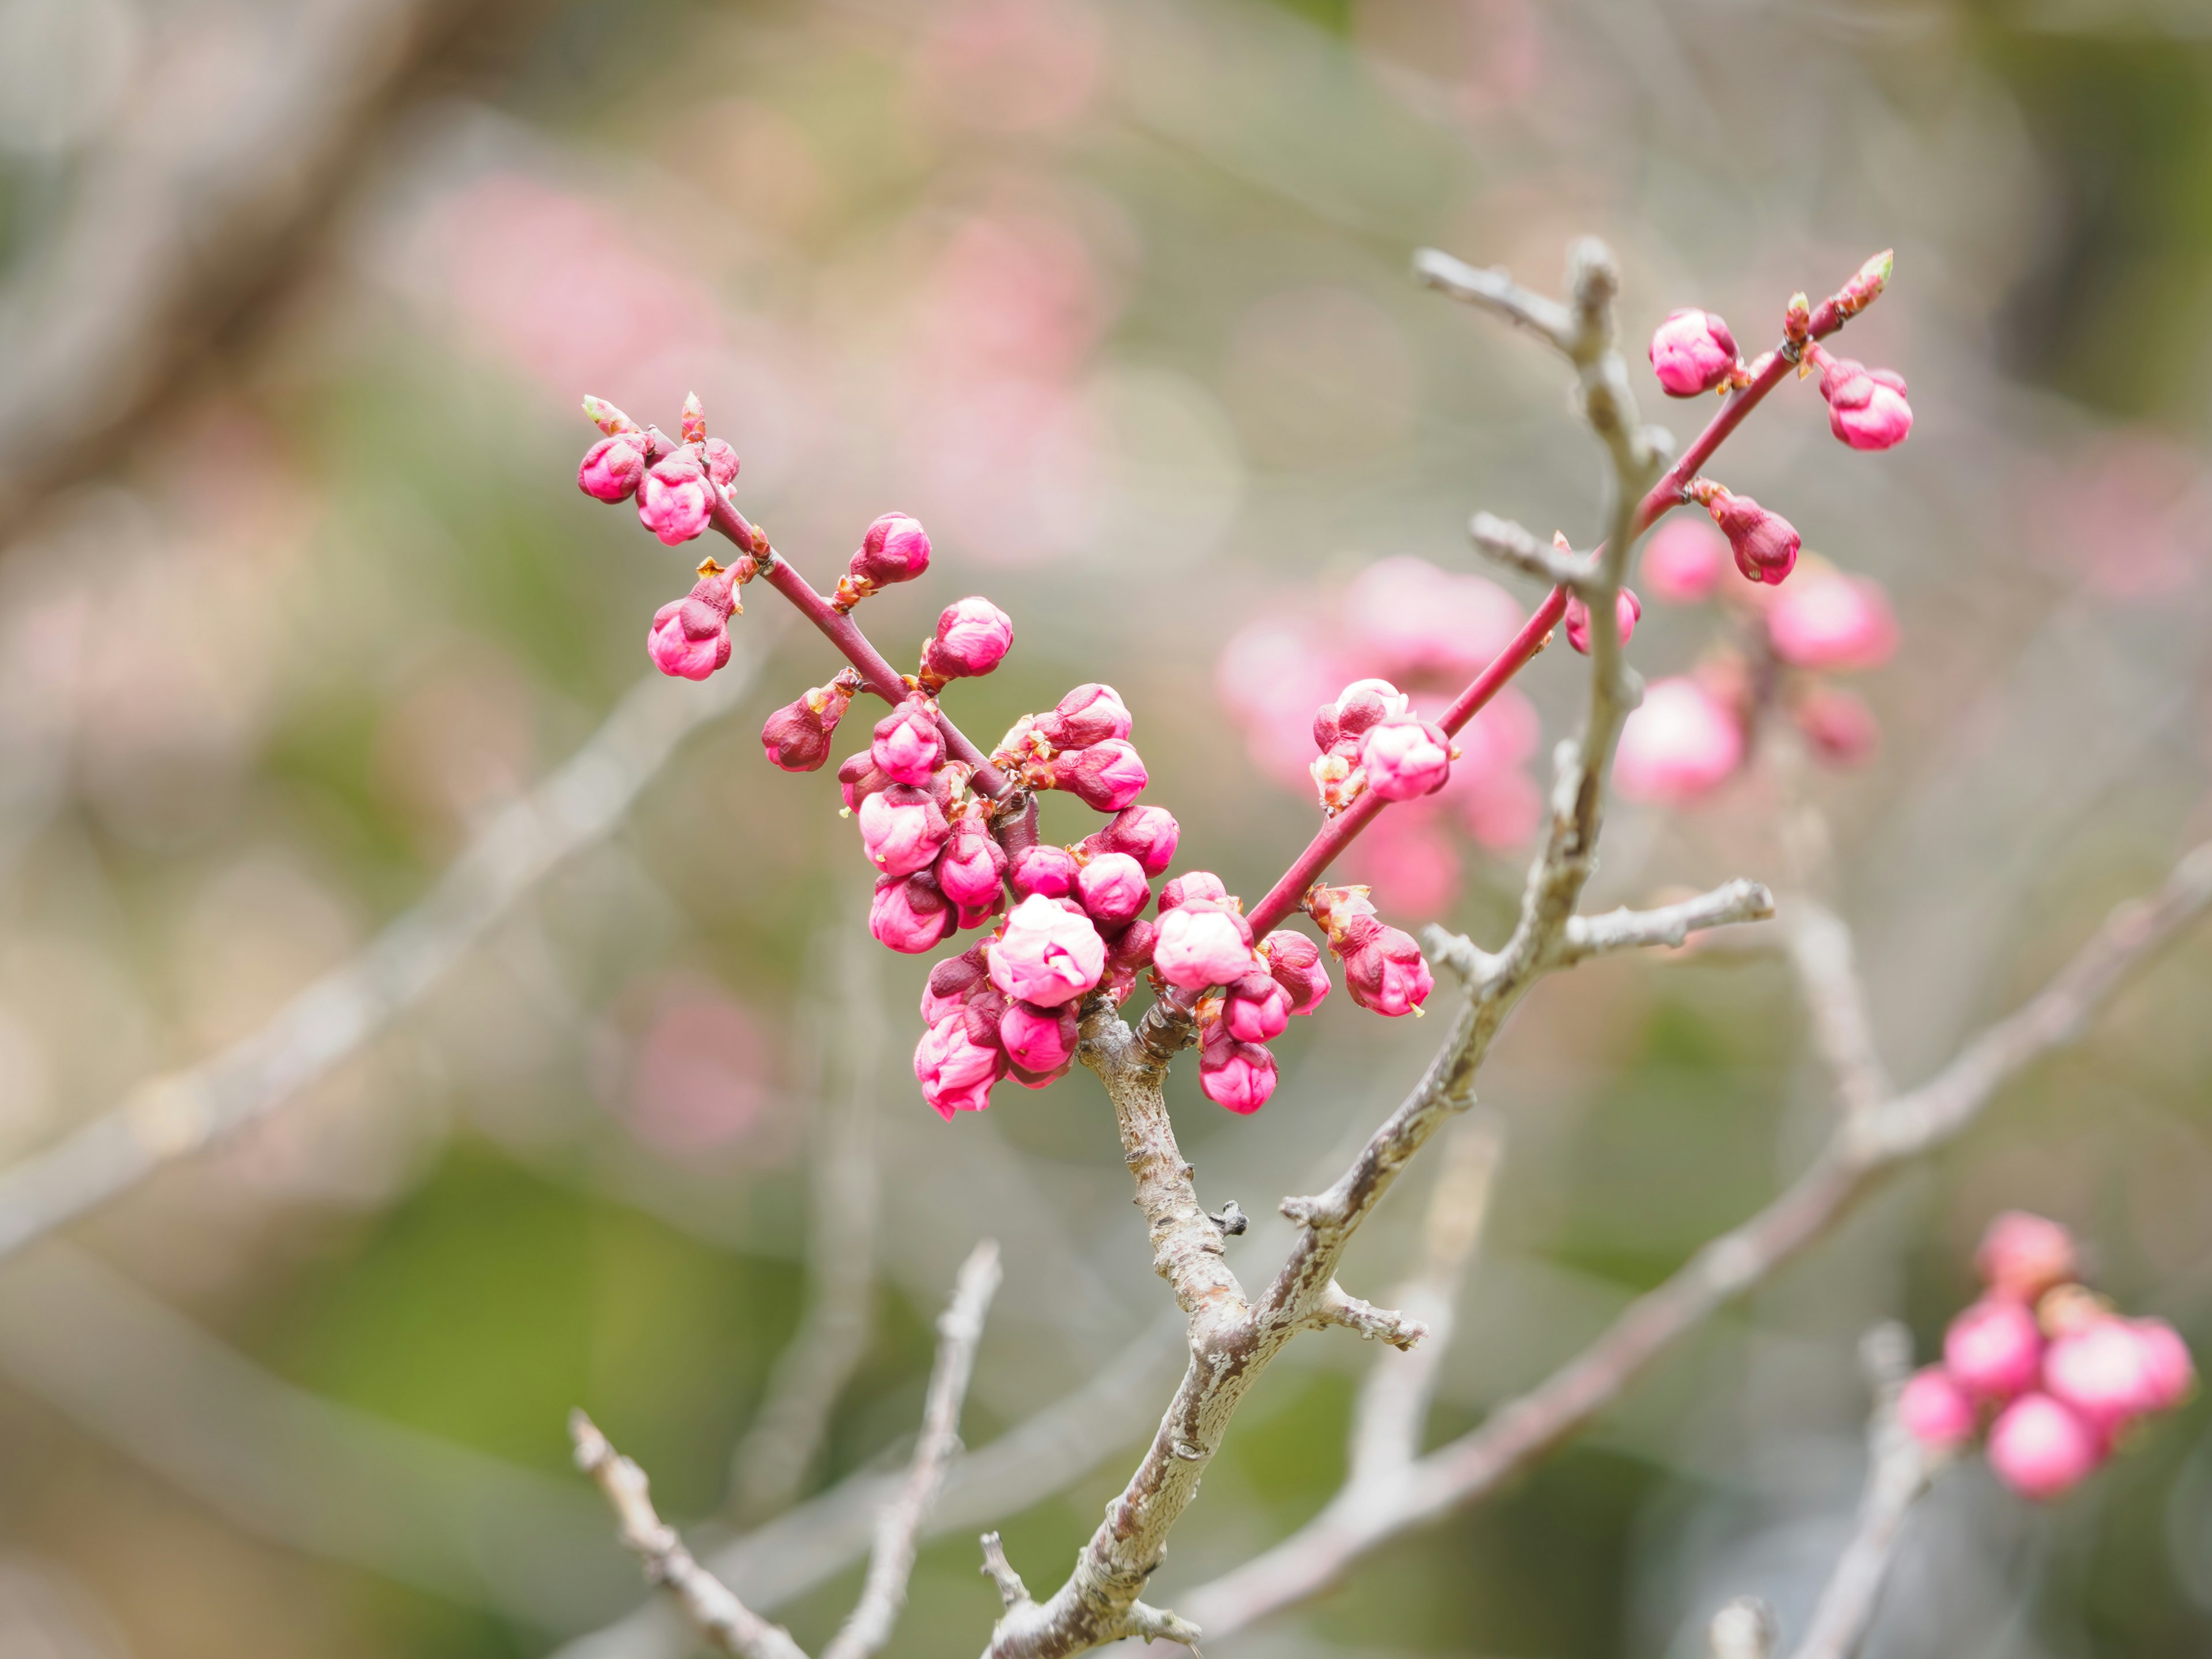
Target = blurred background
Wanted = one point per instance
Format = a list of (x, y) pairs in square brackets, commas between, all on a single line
[(297, 596)]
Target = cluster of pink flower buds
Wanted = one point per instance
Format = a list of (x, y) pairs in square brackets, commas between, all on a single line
[(1383, 968), (676, 485), (1370, 738), (2050, 1370), (1082, 746)]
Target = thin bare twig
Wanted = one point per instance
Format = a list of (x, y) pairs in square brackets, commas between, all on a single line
[(1668, 925), (1835, 1002), (1517, 549)]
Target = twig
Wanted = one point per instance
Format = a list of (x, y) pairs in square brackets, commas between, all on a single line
[(1000, 1572), (170, 1117), (1497, 293), (1835, 1002), (1669, 925), (1517, 549)]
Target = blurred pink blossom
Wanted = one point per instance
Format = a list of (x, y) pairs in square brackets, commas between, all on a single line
[(1684, 560), (1011, 65), (1680, 745), (700, 1075), (1407, 617)]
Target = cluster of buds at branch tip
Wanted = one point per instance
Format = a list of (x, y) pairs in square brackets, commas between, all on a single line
[(2055, 1375), (894, 550), (1383, 968), (1370, 740), (1082, 746)]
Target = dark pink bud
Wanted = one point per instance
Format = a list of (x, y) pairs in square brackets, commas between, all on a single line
[(1294, 963), (909, 915), (1362, 704), (2040, 1448), (722, 460), (1993, 1349), (690, 636), (1190, 886), (1764, 543), (858, 779), (902, 829), (1037, 1039), (1239, 1076), (1201, 943), (1383, 969), (949, 983), (1866, 407), (612, 467), (2023, 1256), (1841, 729), (908, 748), (1692, 352), (955, 1072), (1106, 777), (1935, 1411), (971, 867), (1112, 889), (981, 916), (1257, 1009), (973, 637), (1627, 607), (894, 550), (1044, 869), (1683, 561), (676, 499), (1146, 834), (1132, 948), (797, 736), (1404, 757), (1087, 715)]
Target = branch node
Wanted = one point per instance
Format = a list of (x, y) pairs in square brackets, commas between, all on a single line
[(1231, 1220), (1159, 1625), (1000, 1572), (1373, 1324)]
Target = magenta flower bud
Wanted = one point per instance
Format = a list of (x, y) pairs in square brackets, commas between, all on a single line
[(1112, 889), (909, 915), (955, 1072), (973, 637), (1047, 954), (1627, 608), (971, 867), (1239, 1076), (1086, 715), (1294, 963), (1257, 1009), (1146, 834), (690, 636), (1202, 942), (1051, 870), (1678, 744), (612, 467), (2172, 1373), (1106, 777), (1993, 1349), (1193, 884), (1866, 407), (2023, 1256), (894, 550), (1406, 757), (1832, 622), (1383, 969), (1037, 1039), (796, 737), (1838, 725), (1128, 953), (1362, 704), (1683, 561), (858, 779), (2040, 1448), (722, 460), (1764, 543), (1935, 1411), (908, 748), (1692, 352), (951, 982), (902, 829), (2102, 1373), (675, 499)]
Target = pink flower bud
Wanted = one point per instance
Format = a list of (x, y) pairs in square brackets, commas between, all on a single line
[(1190, 886), (1831, 621), (675, 500), (1360, 705), (722, 460), (1404, 757), (1106, 777), (1112, 889), (902, 829), (2102, 1373), (1037, 1039), (1146, 834), (692, 422), (949, 983), (956, 1072), (971, 867), (909, 915), (2023, 1256), (1692, 352), (1866, 407), (612, 467), (2039, 1449), (908, 747), (1627, 608), (1086, 715), (1257, 1009), (1383, 969), (2170, 1372), (973, 637), (1764, 543), (1838, 725), (1239, 1076), (1051, 870), (1993, 1349), (1678, 744), (1203, 942), (1935, 1411), (1047, 956), (858, 779), (690, 636), (894, 550), (1683, 561), (797, 736), (1128, 953), (1294, 963)]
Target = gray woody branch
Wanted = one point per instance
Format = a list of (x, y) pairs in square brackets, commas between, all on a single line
[(711, 1605)]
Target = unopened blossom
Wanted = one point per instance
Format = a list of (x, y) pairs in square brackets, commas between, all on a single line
[(1692, 352), (907, 746), (956, 1072), (894, 550), (1037, 1039), (1089, 713), (676, 499), (1935, 1411), (909, 914), (1239, 1076), (1112, 889), (1044, 869), (1203, 942), (1684, 560), (2022, 1255), (1106, 777), (1191, 885), (1833, 621), (902, 829), (858, 779), (1255, 1009), (1360, 705), (972, 865), (2040, 1448), (1836, 724), (2115, 1370), (1047, 956), (1867, 407), (1383, 969), (796, 737), (1128, 953), (1993, 1349), (1294, 963), (1680, 743), (1146, 834), (1764, 543), (973, 637), (2171, 1369), (1404, 757), (690, 636), (612, 467), (1627, 610), (949, 983)]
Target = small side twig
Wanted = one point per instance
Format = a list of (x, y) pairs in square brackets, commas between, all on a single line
[(1000, 1572), (1835, 1002), (1738, 901), (1373, 1324), (1511, 545)]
